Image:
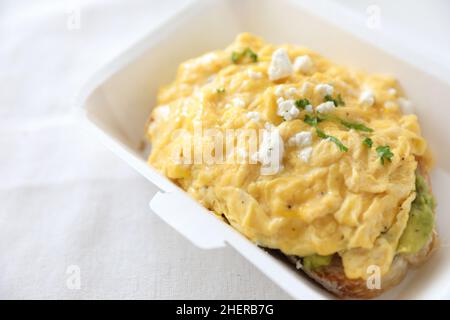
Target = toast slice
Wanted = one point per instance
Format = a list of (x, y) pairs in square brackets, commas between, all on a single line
[(332, 276)]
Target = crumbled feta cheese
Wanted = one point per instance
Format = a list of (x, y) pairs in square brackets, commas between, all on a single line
[(303, 64), (406, 106), (288, 110), (279, 91), (280, 66), (391, 91), (270, 152), (305, 88), (302, 139), (325, 107), (238, 102), (309, 108), (291, 92), (366, 98), (255, 75), (253, 115), (324, 89), (305, 154), (280, 100)]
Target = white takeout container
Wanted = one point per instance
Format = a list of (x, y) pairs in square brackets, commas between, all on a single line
[(118, 101)]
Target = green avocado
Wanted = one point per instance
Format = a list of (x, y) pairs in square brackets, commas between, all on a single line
[(416, 234), (315, 261), (421, 219)]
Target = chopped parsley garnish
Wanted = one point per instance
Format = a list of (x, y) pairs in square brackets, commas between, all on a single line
[(348, 124), (220, 90), (384, 152), (329, 98), (355, 125), (312, 120), (333, 139), (337, 101), (251, 54), (236, 56), (368, 142), (302, 103)]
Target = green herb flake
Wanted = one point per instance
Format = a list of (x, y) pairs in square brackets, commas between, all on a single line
[(337, 101), (355, 125), (333, 139), (236, 56), (251, 54), (348, 124), (312, 120), (385, 153), (302, 103), (368, 142), (328, 98), (220, 90)]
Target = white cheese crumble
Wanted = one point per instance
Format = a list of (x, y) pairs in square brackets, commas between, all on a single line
[(253, 115), (279, 91), (255, 75), (288, 110), (270, 152), (391, 91), (325, 107), (366, 98), (238, 102), (309, 108), (305, 88), (291, 92), (303, 64), (280, 66), (302, 139), (406, 106), (280, 100), (305, 154), (324, 89)]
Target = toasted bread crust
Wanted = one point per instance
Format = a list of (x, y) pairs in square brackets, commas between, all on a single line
[(332, 277)]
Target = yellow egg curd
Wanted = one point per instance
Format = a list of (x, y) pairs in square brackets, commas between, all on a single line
[(348, 148)]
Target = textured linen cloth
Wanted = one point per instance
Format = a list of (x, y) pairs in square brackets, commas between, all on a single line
[(74, 219)]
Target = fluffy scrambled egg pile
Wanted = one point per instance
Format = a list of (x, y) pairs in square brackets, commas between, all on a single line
[(347, 143)]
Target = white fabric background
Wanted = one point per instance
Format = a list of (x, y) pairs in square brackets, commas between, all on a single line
[(66, 200)]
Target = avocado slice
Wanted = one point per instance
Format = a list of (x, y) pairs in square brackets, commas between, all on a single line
[(416, 234), (421, 219), (316, 261)]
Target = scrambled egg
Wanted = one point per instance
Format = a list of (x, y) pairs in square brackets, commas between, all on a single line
[(324, 199)]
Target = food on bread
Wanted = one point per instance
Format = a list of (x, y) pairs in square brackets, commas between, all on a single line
[(336, 177)]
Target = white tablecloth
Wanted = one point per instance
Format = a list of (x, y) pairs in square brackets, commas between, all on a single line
[(69, 207)]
